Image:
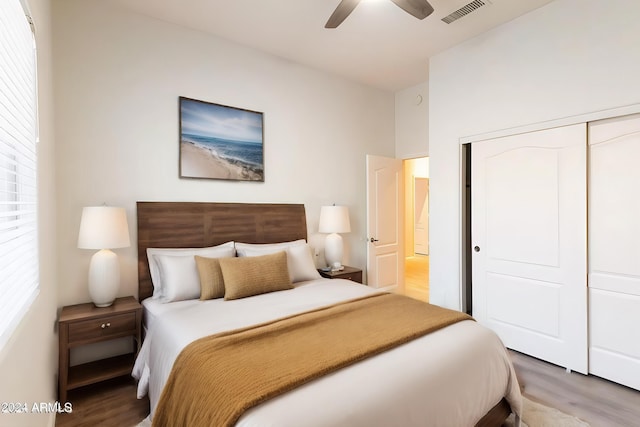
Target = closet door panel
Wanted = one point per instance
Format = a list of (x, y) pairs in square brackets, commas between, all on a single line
[(529, 223), (614, 351), (615, 313), (614, 249), (614, 207)]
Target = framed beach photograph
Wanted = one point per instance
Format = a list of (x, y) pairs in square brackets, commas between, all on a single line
[(220, 142)]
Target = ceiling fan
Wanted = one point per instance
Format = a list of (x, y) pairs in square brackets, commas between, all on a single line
[(418, 8)]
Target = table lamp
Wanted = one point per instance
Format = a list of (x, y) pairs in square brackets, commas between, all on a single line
[(104, 228), (334, 219)]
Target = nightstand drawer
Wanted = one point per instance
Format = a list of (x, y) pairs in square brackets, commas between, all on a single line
[(102, 327), (355, 277)]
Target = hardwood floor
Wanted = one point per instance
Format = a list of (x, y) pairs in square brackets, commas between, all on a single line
[(416, 277), (110, 403), (599, 402)]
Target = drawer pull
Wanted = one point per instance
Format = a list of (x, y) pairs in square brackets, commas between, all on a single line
[(105, 325)]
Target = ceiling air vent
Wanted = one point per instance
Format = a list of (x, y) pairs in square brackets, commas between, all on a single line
[(463, 11)]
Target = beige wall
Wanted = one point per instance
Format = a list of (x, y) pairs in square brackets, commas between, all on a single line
[(118, 76), (28, 363)]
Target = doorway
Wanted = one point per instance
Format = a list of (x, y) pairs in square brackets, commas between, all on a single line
[(416, 230)]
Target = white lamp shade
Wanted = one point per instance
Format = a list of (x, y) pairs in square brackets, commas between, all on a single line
[(103, 227), (334, 219)]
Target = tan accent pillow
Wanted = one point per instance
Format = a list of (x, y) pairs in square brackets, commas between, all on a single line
[(248, 276), (211, 280)]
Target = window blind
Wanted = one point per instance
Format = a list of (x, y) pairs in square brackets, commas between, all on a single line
[(19, 278)]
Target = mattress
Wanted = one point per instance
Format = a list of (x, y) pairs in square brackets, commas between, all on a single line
[(451, 377)]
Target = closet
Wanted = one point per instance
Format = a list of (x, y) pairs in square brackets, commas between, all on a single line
[(556, 244)]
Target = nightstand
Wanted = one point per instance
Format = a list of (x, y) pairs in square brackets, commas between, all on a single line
[(87, 324), (349, 273)]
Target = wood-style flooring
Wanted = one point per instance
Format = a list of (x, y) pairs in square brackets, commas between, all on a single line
[(599, 402), (110, 403), (416, 277)]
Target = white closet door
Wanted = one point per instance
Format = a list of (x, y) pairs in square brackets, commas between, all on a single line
[(614, 250), (529, 237)]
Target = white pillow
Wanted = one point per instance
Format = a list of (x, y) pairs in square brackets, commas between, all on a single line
[(219, 251), (300, 263), (299, 259), (180, 279), (241, 248)]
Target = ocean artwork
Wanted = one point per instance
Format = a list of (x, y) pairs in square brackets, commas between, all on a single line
[(220, 142)]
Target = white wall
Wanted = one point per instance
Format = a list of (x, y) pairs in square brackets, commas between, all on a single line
[(568, 58), (412, 122), (118, 76), (413, 168), (29, 361)]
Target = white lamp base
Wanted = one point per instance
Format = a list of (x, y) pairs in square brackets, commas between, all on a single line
[(333, 250), (104, 278)]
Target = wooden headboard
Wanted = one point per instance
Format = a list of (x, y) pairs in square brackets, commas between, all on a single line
[(196, 225)]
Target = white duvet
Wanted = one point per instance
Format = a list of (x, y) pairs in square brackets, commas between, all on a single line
[(451, 377)]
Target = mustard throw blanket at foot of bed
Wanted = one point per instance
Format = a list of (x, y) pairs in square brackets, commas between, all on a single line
[(216, 378)]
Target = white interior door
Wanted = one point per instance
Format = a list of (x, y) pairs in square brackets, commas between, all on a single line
[(421, 216), (614, 250), (385, 254), (529, 236)]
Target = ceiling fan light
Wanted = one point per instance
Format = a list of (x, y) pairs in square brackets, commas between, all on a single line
[(418, 8)]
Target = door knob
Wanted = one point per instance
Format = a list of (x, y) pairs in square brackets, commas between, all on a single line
[(476, 248), (373, 240)]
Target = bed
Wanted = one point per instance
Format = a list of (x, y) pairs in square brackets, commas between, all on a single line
[(457, 376)]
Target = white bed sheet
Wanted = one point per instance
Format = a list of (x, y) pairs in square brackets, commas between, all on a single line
[(450, 377), (153, 309)]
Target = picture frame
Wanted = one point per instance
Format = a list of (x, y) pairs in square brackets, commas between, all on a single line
[(220, 142)]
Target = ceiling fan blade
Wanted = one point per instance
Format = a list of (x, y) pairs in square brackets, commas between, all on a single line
[(418, 8), (340, 14)]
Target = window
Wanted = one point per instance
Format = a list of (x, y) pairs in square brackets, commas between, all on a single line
[(19, 281)]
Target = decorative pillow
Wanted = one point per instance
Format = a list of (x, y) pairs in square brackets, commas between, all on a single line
[(248, 276), (219, 251), (299, 260), (180, 280), (211, 280)]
